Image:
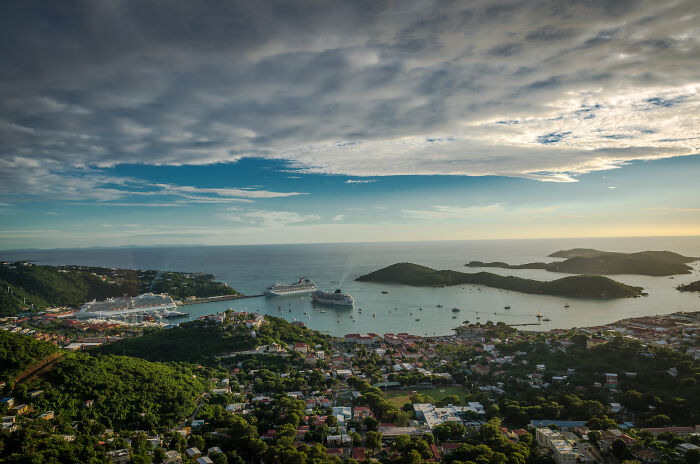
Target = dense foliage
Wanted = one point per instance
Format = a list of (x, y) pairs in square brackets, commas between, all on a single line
[(583, 286), (19, 352), (660, 387), (203, 341), (26, 286)]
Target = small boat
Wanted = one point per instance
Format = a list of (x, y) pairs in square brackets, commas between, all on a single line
[(359, 310), (506, 307), (411, 314), (454, 317), (567, 306), (384, 292), (478, 317), (338, 321), (546, 319), (417, 319), (456, 310), (374, 315), (323, 310), (438, 306)]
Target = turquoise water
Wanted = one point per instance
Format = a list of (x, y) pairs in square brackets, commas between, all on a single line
[(250, 269)]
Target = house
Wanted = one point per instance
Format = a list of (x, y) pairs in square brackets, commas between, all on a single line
[(120, 455), (19, 409), (361, 412), (340, 452), (172, 457), (358, 453), (193, 453), (683, 431), (9, 401), (647, 455), (204, 460), (301, 348), (48, 415)]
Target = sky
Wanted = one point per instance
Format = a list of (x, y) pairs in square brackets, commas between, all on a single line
[(242, 122)]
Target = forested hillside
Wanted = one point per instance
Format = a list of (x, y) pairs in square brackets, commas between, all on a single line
[(27, 286), (18, 352), (202, 341)]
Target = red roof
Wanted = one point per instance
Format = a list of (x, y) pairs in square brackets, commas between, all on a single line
[(358, 453)]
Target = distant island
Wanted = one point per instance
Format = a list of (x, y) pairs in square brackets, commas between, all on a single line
[(583, 286), (589, 261), (691, 287)]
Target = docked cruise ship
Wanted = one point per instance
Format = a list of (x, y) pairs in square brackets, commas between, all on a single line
[(145, 304), (332, 298), (303, 286)]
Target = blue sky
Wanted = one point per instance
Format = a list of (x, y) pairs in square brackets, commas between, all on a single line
[(234, 123)]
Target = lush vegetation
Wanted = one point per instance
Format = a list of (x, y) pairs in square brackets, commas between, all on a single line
[(203, 341), (19, 352), (26, 286), (691, 287), (588, 261), (652, 392), (584, 286)]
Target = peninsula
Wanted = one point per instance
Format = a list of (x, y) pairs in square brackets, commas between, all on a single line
[(583, 286), (26, 286), (589, 261), (691, 287)]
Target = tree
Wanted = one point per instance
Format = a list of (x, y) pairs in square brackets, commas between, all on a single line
[(371, 423), (594, 437), (618, 448), (356, 438), (633, 400), (413, 457), (373, 440)]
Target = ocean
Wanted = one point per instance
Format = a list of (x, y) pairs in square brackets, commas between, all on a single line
[(250, 269)]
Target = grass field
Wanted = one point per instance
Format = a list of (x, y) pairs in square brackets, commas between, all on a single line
[(400, 397)]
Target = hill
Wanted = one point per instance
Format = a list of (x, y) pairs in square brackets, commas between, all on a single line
[(203, 341), (691, 287), (589, 261), (27, 286), (574, 286), (125, 391), (18, 352)]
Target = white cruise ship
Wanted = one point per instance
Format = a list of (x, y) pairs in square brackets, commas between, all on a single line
[(116, 307), (332, 298), (303, 286)]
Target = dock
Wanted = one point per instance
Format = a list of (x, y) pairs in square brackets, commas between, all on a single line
[(522, 325), (213, 299)]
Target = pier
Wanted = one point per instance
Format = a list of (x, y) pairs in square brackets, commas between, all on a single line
[(213, 299)]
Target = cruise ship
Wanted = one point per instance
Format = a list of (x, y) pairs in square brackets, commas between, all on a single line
[(332, 298), (147, 303), (303, 286)]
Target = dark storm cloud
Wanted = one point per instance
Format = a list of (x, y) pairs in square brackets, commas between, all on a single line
[(91, 83)]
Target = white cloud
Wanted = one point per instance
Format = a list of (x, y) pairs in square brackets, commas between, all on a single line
[(267, 218), (351, 181), (440, 212), (463, 88), (339, 217)]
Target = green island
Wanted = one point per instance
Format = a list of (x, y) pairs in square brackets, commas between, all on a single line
[(589, 261), (691, 287), (583, 286), (25, 286)]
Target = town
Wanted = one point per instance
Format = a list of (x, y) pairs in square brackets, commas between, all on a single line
[(406, 398)]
